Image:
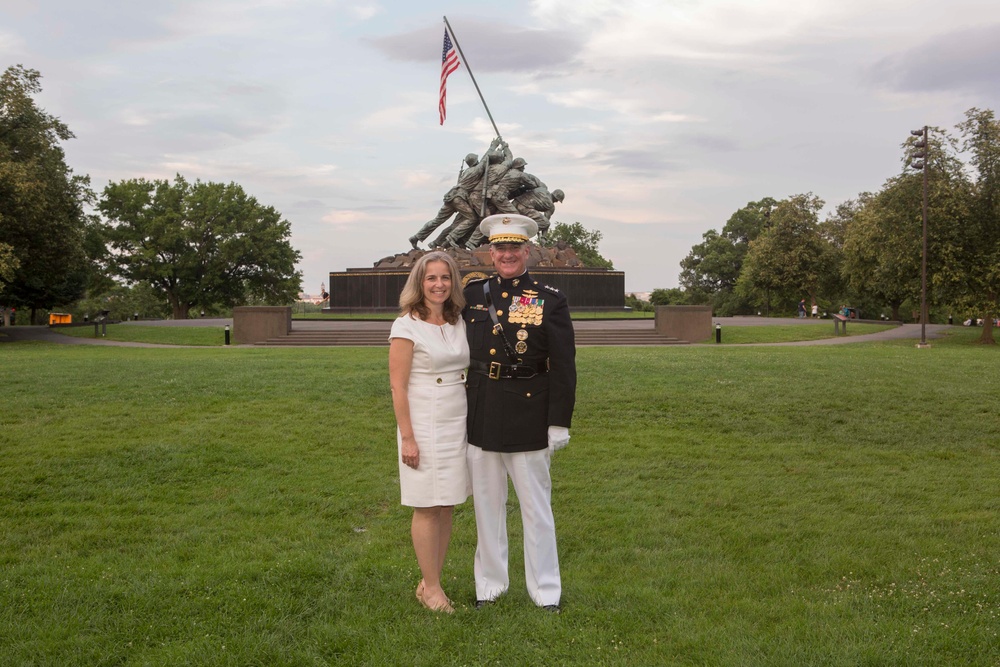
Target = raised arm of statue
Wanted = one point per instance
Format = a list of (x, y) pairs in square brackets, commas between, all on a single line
[(507, 155)]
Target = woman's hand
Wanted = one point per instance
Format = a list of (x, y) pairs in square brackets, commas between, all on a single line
[(411, 453)]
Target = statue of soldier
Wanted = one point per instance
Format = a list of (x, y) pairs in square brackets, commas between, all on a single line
[(539, 205), (456, 200), (531, 198), (498, 164), (500, 192)]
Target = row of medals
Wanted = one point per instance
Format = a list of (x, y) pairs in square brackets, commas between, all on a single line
[(525, 310)]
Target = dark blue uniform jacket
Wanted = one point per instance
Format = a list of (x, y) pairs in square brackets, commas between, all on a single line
[(513, 415)]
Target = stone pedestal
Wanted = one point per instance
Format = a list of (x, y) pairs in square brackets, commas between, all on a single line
[(253, 324), (690, 323), (376, 290)]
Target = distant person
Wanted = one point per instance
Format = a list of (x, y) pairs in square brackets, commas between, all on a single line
[(802, 308), (815, 310), (428, 357)]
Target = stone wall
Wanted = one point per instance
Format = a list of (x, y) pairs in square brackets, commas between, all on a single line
[(690, 323), (253, 324)]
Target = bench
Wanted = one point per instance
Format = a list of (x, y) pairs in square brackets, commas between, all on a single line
[(839, 321)]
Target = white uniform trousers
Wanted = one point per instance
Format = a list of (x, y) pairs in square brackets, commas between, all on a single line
[(530, 473)]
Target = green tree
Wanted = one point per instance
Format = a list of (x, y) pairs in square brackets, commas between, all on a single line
[(790, 258), (583, 242), (882, 246), (42, 204), (713, 265), (637, 304), (835, 228), (710, 271), (834, 287), (749, 222), (673, 296), (8, 265), (970, 253), (123, 303), (200, 245)]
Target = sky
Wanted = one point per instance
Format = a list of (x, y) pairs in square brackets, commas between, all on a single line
[(657, 118)]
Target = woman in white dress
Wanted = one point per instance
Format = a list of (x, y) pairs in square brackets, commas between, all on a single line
[(428, 358)]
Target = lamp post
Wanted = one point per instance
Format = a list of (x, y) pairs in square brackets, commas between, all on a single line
[(918, 160)]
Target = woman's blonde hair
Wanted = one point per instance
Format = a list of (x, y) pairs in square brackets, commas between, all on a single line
[(411, 299)]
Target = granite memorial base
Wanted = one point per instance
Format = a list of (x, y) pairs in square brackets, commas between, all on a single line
[(364, 291)]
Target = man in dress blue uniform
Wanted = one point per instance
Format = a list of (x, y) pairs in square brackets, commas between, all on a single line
[(521, 391)]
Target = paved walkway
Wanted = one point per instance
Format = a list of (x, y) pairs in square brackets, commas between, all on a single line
[(906, 331)]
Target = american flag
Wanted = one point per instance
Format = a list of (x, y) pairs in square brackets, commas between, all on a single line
[(449, 63)]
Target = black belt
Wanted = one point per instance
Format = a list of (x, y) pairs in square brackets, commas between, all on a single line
[(497, 371)]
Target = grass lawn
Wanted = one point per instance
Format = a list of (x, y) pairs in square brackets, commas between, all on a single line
[(716, 506)]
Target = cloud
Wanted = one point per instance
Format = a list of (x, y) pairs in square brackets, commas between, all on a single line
[(713, 142), (490, 47), (578, 12), (642, 161), (668, 117), (364, 12), (345, 218), (422, 180), (11, 45), (307, 205), (720, 31), (406, 112), (959, 60)]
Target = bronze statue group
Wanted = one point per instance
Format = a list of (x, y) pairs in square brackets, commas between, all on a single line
[(496, 183)]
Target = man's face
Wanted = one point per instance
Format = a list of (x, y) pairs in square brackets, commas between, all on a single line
[(509, 258)]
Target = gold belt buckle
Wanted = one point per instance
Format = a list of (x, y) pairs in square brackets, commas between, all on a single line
[(494, 370)]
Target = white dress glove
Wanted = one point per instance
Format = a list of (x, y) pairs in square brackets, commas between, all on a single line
[(558, 438)]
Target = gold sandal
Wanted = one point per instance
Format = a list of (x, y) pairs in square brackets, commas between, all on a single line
[(446, 607)]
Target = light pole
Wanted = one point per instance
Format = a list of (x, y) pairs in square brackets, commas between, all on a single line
[(919, 160)]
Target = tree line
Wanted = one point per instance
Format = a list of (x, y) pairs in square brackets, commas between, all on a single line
[(165, 247), (867, 252)]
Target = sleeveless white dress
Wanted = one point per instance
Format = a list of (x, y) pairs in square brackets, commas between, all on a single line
[(438, 413)]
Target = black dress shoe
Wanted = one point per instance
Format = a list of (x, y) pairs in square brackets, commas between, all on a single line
[(554, 608), (482, 603)]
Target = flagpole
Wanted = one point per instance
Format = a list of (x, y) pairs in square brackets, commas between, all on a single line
[(459, 47)]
